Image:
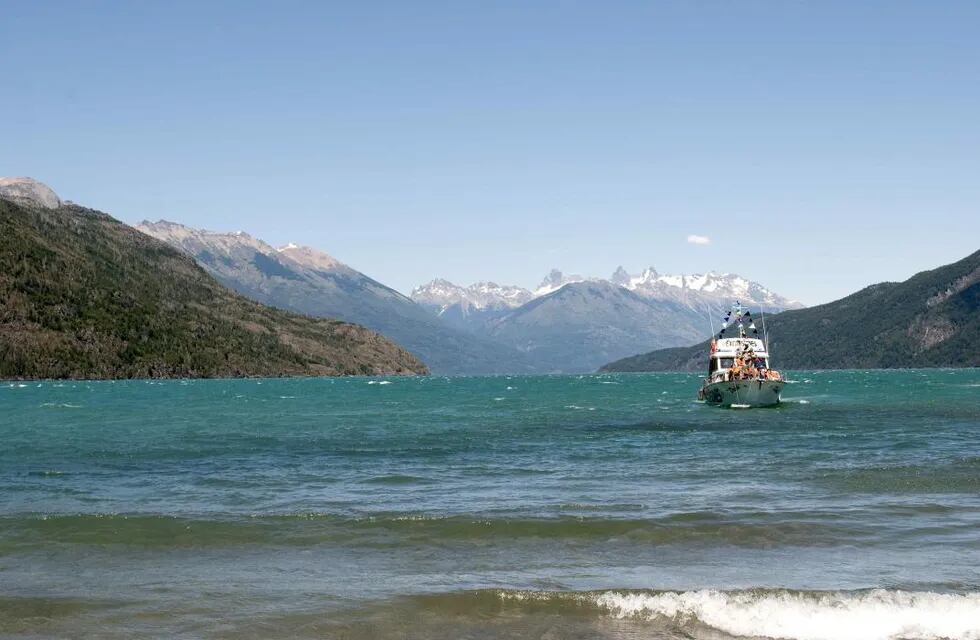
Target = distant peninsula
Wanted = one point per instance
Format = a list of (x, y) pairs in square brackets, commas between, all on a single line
[(84, 296)]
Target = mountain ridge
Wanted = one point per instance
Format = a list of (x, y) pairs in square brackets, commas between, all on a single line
[(28, 191), (580, 325), (309, 281), (680, 304), (441, 294), (929, 320), (86, 296)]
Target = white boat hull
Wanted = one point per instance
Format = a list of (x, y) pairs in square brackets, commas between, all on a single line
[(746, 393)]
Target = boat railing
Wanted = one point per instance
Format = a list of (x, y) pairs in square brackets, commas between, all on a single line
[(745, 374)]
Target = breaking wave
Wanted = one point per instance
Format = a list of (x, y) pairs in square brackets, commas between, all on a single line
[(878, 614)]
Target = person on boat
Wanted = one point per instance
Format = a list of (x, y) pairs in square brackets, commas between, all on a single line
[(735, 370), (743, 364)]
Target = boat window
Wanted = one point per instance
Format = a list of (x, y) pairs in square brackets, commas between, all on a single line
[(726, 363)]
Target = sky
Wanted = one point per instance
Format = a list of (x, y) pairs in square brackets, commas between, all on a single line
[(815, 147)]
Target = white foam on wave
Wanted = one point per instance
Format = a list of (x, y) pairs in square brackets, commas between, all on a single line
[(873, 615)]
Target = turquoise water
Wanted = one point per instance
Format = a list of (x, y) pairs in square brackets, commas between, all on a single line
[(576, 506)]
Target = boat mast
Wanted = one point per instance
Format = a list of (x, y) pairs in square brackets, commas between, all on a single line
[(738, 309)]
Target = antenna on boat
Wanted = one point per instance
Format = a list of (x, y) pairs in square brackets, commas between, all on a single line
[(711, 322), (765, 334)]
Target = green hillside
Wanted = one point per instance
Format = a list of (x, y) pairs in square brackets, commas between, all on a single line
[(84, 296), (930, 320)]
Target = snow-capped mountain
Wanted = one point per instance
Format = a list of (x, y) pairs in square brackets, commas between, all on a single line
[(568, 323), (575, 327), (575, 323), (310, 281), (470, 308), (719, 287), (556, 279), (698, 291), (442, 294)]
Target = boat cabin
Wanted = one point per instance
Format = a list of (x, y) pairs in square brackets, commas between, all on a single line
[(725, 350)]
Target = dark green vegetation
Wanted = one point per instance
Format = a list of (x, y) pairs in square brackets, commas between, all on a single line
[(84, 296), (930, 320)]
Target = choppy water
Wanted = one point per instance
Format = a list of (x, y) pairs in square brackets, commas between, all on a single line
[(560, 507)]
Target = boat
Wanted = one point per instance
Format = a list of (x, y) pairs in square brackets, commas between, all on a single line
[(738, 367)]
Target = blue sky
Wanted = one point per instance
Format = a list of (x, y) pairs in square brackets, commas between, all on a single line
[(821, 146)]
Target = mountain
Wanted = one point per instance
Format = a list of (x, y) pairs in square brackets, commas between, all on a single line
[(574, 323), (83, 295), (478, 305), (29, 192), (702, 291), (930, 320), (584, 324), (556, 279), (443, 293), (308, 281), (471, 308)]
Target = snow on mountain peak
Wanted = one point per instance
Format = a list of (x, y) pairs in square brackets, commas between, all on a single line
[(692, 289), (556, 279), (480, 295)]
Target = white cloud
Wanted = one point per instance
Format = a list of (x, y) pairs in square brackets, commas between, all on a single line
[(695, 239)]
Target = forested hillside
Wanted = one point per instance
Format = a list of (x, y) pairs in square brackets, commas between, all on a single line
[(82, 295)]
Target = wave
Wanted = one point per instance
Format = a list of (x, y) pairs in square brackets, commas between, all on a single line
[(397, 478), (876, 614), (754, 530), (961, 475), (873, 615)]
